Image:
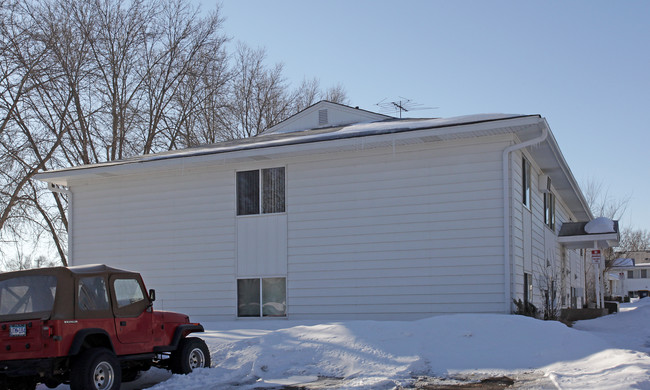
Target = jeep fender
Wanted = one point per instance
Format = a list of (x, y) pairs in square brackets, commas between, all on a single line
[(180, 332), (100, 338)]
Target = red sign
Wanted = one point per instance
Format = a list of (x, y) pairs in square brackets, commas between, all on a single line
[(595, 255)]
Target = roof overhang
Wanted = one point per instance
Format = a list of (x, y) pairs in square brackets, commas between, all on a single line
[(307, 142), (572, 235), (390, 132)]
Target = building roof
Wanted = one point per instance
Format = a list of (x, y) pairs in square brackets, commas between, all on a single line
[(287, 140)]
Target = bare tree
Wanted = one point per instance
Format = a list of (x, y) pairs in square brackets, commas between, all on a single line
[(602, 203), (89, 81), (634, 240), (548, 283)]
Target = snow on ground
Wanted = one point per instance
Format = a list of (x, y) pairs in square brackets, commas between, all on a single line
[(610, 352)]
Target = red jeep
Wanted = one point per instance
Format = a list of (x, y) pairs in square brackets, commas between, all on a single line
[(90, 326)]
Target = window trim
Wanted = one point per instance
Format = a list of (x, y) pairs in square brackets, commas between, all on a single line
[(260, 191), (261, 292)]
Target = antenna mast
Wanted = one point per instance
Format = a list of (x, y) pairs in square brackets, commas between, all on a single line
[(401, 105)]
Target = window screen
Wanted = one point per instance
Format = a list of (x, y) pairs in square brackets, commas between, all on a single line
[(261, 194), (248, 192), (273, 190)]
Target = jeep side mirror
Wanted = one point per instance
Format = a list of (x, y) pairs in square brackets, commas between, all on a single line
[(152, 295)]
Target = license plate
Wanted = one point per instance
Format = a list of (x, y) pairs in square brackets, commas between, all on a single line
[(18, 330)]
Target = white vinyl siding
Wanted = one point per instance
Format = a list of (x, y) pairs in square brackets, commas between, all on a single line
[(535, 244), (175, 227), (388, 232), (401, 232)]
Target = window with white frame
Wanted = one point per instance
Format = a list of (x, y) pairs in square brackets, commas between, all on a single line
[(549, 210), (525, 182), (630, 274), (262, 297), (261, 191), (644, 274)]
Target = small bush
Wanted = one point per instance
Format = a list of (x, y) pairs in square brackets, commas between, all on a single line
[(525, 309)]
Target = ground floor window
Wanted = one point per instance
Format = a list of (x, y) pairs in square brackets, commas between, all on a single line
[(528, 288), (262, 297)]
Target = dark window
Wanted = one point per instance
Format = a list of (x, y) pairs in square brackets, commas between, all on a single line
[(549, 210), (248, 298), (261, 193), (248, 192), (644, 274), (630, 274), (525, 182), (265, 297), (528, 288)]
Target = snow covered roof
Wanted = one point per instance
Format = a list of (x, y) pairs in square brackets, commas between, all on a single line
[(276, 139), (600, 232), (623, 262), (369, 129)]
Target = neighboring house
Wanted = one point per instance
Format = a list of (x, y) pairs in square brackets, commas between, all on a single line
[(340, 213), (639, 257), (629, 278)]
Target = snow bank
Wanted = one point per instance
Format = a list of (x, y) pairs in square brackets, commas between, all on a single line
[(374, 354), (609, 352)]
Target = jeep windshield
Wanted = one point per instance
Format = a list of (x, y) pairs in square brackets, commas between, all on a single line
[(27, 296)]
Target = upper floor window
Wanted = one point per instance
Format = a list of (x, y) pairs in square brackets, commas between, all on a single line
[(549, 210), (630, 274), (525, 182), (260, 191), (644, 274)]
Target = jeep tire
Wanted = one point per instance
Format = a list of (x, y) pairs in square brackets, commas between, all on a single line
[(96, 369), (191, 353)]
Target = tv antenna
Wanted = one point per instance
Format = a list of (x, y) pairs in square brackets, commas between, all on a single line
[(401, 105)]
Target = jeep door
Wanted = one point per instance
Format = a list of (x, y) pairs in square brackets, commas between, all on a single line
[(133, 315)]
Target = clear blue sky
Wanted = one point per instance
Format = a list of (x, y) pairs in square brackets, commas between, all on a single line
[(583, 65)]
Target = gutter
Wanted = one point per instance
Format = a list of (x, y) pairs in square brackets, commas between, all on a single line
[(506, 212), (66, 190)]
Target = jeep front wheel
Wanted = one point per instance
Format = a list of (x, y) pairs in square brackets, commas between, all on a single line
[(96, 369), (191, 353)]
